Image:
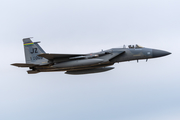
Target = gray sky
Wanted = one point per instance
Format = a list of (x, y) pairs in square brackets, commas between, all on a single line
[(143, 91)]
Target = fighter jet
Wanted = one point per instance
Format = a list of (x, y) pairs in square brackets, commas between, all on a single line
[(37, 60)]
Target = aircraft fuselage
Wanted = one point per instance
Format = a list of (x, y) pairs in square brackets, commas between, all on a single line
[(39, 61)]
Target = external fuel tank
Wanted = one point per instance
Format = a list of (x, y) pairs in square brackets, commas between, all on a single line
[(89, 71)]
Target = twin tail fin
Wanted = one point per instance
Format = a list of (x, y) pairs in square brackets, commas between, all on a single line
[(32, 50)]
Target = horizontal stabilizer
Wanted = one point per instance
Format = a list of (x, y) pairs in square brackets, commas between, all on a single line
[(55, 56), (24, 65)]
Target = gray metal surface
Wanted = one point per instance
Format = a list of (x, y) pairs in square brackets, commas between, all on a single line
[(32, 50), (76, 63), (39, 61)]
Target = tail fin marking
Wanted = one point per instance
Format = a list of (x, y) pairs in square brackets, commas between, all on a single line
[(32, 50)]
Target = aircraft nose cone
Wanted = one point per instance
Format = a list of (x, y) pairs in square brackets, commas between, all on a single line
[(159, 53)]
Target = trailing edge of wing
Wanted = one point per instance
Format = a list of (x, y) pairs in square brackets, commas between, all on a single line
[(23, 65), (54, 56)]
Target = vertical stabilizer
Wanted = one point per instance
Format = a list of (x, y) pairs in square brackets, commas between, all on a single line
[(32, 50)]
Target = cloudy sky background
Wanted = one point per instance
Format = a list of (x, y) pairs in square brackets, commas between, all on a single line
[(143, 91)]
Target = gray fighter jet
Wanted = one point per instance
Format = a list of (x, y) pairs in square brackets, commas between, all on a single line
[(39, 61)]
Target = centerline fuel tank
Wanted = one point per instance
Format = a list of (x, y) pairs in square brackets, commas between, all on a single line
[(89, 71)]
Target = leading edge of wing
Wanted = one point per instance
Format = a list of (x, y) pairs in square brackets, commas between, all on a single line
[(54, 56)]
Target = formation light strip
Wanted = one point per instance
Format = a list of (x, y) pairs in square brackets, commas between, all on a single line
[(28, 44)]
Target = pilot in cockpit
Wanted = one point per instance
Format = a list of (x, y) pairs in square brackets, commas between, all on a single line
[(134, 46), (131, 46)]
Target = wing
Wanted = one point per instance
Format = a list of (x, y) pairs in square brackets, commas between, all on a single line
[(54, 56)]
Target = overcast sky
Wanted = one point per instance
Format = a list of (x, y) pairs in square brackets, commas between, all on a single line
[(132, 91)]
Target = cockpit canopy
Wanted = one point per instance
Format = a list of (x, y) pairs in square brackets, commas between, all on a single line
[(134, 46)]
